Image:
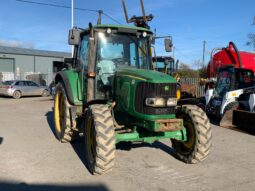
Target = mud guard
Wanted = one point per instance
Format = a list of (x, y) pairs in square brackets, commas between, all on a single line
[(70, 80)]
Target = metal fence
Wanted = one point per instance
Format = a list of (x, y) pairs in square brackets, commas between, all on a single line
[(199, 91), (39, 78)]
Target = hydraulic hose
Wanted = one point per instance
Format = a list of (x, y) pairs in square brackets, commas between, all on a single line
[(237, 53)]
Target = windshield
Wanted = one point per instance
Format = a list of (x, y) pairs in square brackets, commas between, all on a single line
[(119, 51), (223, 83), (123, 51), (160, 63)]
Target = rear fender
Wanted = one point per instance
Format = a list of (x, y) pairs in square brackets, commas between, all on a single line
[(72, 85)]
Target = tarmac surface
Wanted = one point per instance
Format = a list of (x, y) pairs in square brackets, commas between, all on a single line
[(33, 159)]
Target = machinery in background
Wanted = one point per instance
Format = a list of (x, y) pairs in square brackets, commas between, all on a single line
[(231, 86)]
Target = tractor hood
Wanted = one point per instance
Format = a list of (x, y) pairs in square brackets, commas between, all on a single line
[(146, 75)]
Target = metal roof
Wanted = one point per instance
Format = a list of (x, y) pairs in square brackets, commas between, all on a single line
[(33, 52)]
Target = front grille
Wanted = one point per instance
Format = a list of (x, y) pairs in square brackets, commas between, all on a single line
[(149, 90)]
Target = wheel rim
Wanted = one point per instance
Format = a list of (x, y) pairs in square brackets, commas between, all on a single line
[(59, 111), (186, 147), (16, 94), (190, 134), (91, 140)]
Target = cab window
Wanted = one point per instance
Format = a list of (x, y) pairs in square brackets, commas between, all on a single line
[(83, 52)]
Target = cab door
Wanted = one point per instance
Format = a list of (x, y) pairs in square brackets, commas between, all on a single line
[(83, 67)]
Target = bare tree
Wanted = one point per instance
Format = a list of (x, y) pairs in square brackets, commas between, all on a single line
[(251, 37), (186, 72), (251, 41)]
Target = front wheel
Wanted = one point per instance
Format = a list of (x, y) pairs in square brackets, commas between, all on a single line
[(99, 139), (199, 135), (62, 116)]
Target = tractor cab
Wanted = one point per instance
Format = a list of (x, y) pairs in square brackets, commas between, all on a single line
[(108, 49)]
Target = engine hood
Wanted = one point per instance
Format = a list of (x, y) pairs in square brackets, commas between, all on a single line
[(146, 75)]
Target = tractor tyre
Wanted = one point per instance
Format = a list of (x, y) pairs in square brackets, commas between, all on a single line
[(199, 135), (99, 139), (62, 116)]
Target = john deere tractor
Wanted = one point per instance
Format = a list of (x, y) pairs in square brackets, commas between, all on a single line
[(111, 94)]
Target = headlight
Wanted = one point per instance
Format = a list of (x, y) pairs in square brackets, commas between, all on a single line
[(171, 102), (155, 102)]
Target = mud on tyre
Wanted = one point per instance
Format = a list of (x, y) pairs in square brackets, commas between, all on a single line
[(99, 139), (199, 135)]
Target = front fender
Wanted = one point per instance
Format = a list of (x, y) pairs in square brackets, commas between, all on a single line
[(72, 85)]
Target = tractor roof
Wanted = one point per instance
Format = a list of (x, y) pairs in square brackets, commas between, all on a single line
[(122, 27)]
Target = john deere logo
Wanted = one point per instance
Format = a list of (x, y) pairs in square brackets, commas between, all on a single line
[(166, 88)]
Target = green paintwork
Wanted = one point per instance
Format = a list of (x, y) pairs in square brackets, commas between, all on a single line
[(146, 75), (144, 126), (125, 86), (126, 82), (76, 85), (150, 137)]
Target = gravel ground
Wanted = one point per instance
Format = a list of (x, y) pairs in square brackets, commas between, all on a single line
[(32, 158)]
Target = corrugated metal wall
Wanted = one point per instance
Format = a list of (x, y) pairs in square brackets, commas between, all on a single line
[(40, 78), (22, 64)]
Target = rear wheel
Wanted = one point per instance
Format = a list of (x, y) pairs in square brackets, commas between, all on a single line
[(199, 135), (16, 95), (99, 139), (62, 116), (45, 93)]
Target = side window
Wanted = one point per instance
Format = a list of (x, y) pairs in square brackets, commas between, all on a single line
[(20, 83), (248, 76), (84, 51), (143, 59), (31, 84), (132, 55)]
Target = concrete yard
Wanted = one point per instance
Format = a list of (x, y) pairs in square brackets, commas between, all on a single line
[(33, 159)]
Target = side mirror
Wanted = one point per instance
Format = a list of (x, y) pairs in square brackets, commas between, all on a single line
[(74, 36), (168, 44)]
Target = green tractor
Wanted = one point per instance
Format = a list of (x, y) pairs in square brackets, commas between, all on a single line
[(111, 94)]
